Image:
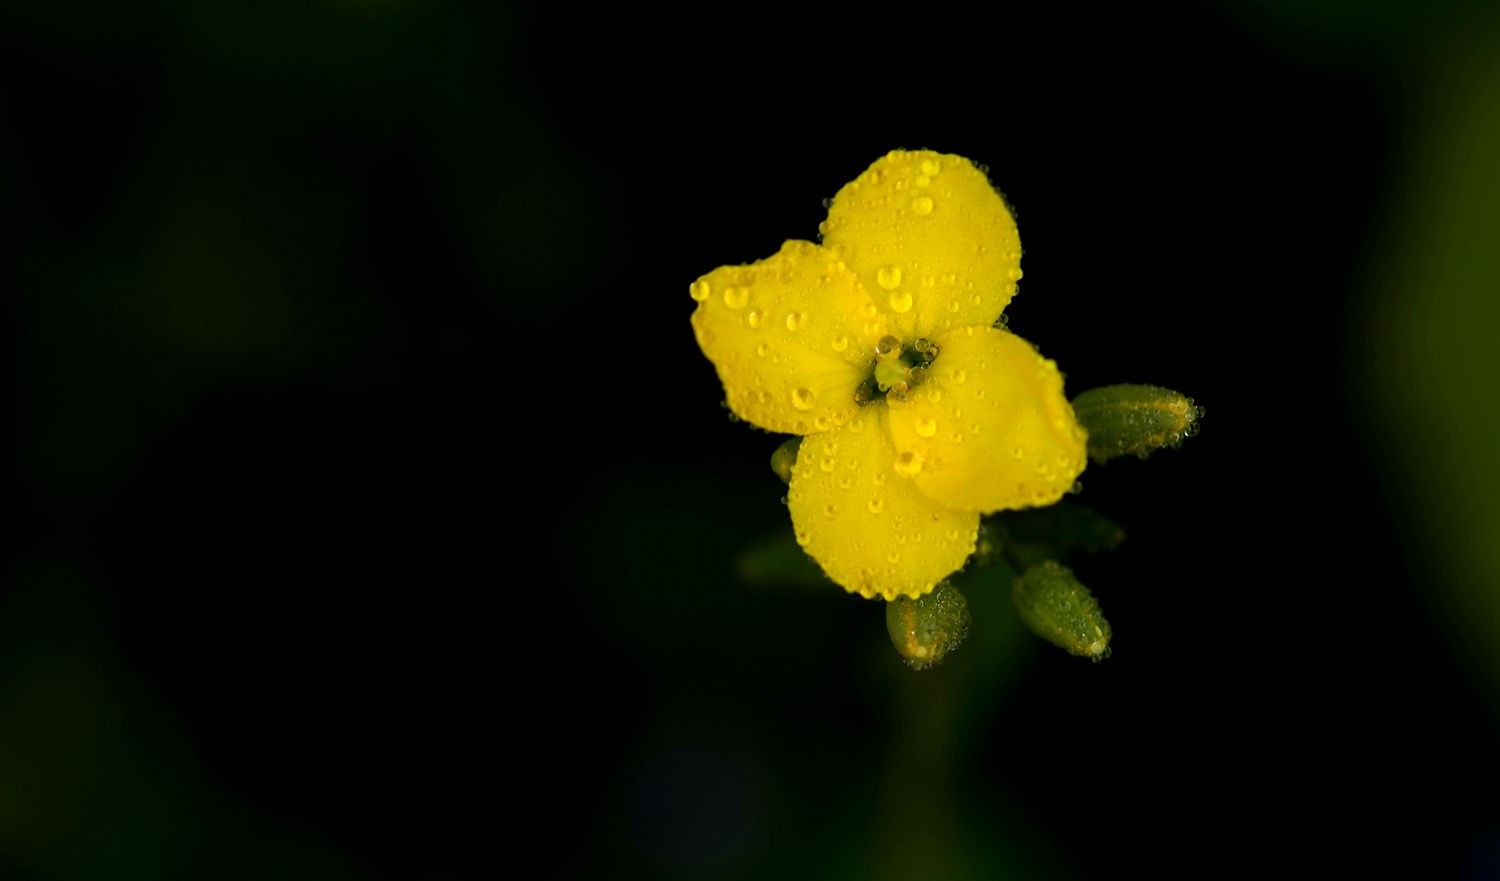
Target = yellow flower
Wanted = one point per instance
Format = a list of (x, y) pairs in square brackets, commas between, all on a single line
[(879, 347)]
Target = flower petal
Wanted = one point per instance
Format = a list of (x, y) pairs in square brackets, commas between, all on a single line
[(870, 529), (990, 429), (791, 337), (931, 239)]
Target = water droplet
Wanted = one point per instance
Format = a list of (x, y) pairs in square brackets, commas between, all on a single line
[(922, 205), (908, 464), (889, 277), (820, 423), (876, 505), (931, 166), (802, 398), (827, 465), (886, 345), (893, 557), (953, 306), (856, 426), (753, 318), (700, 290), (736, 298), (763, 350), (830, 511), (926, 426), (958, 377), (839, 344), (846, 482), (900, 302), (795, 321), (879, 479), (1002, 322), (1015, 273), (921, 180), (1017, 452)]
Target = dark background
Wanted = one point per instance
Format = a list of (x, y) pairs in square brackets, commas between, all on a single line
[(377, 516)]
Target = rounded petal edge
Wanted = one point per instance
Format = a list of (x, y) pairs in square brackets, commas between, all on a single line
[(991, 429), (791, 337), (870, 528), (931, 238)]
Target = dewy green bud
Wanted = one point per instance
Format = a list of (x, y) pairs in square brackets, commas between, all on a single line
[(1058, 608), (1138, 419), (926, 629), (784, 458)]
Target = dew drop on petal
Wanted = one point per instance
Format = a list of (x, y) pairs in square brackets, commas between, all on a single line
[(736, 298), (877, 505), (752, 318), (888, 277), (921, 181), (958, 377), (926, 426), (795, 321), (763, 350), (900, 302), (839, 344), (908, 464), (700, 290), (931, 166), (922, 205), (802, 398)]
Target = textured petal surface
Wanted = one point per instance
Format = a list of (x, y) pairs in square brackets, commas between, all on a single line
[(931, 239), (991, 428), (868, 526), (791, 337)]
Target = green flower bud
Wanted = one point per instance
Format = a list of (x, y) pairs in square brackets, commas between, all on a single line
[(1138, 419), (1058, 608), (926, 629), (785, 457)]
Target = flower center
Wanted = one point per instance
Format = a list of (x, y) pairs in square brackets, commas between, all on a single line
[(899, 368)]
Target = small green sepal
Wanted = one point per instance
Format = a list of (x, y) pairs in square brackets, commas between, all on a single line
[(1135, 419), (785, 458), (926, 629), (1058, 608)]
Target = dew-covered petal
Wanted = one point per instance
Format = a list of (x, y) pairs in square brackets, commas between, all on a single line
[(868, 526), (791, 337), (931, 239), (991, 427)]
